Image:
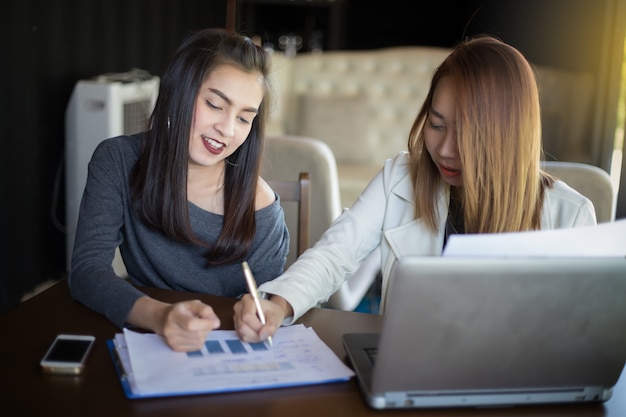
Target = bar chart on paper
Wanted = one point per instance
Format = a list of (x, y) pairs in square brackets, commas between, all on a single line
[(234, 346), (218, 348), (225, 363)]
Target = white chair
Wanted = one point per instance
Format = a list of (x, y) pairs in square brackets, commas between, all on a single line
[(297, 192), (285, 158), (118, 265), (591, 181), (288, 155)]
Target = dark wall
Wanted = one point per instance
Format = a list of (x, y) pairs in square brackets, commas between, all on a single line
[(562, 33), (45, 47)]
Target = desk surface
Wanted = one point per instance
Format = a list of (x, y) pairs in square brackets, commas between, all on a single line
[(28, 329)]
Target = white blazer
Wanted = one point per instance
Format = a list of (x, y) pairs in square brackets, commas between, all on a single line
[(384, 216)]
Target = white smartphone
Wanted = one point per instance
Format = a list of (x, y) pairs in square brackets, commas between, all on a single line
[(67, 354)]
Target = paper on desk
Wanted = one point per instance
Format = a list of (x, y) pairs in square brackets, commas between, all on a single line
[(298, 357), (603, 240)]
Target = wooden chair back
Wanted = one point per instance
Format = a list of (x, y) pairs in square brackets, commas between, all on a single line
[(298, 191)]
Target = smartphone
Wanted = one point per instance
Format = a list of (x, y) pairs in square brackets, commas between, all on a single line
[(67, 354)]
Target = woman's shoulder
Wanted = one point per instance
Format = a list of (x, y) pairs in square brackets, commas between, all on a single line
[(267, 201), (561, 191), (124, 144), (400, 159), (397, 164), (396, 168), (564, 207), (269, 215), (265, 196), (118, 150)]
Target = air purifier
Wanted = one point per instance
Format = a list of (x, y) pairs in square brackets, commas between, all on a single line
[(104, 106)]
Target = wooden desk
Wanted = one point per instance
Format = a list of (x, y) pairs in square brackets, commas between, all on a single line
[(28, 329)]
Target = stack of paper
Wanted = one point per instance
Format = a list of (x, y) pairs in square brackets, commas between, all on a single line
[(603, 240), (149, 368)]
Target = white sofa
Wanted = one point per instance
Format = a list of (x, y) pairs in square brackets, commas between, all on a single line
[(363, 103)]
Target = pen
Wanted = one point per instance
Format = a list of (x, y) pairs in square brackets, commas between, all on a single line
[(252, 289)]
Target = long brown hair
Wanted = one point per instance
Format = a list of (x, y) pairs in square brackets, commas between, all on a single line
[(159, 178), (498, 132)]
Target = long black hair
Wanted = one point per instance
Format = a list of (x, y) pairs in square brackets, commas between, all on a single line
[(159, 178)]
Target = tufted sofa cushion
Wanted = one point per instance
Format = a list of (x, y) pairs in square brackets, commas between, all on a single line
[(391, 84), (324, 116)]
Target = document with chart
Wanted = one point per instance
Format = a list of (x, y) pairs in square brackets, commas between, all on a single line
[(149, 368)]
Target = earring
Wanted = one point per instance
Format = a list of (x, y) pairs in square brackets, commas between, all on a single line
[(168, 123)]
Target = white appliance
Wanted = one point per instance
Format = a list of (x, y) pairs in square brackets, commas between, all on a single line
[(99, 108)]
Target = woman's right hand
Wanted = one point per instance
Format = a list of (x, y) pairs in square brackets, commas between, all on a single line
[(247, 324)]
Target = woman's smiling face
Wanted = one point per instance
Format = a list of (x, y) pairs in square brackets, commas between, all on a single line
[(440, 133), (227, 103)]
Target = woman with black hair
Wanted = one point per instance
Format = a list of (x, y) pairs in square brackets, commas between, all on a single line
[(184, 201)]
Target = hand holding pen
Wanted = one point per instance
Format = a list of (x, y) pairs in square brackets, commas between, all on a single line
[(252, 289)]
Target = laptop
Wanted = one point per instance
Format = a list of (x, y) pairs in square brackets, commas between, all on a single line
[(461, 332)]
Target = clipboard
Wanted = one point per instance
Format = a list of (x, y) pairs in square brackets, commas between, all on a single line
[(121, 371), (318, 365)]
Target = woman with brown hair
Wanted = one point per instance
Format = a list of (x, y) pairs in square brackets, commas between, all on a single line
[(472, 166)]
